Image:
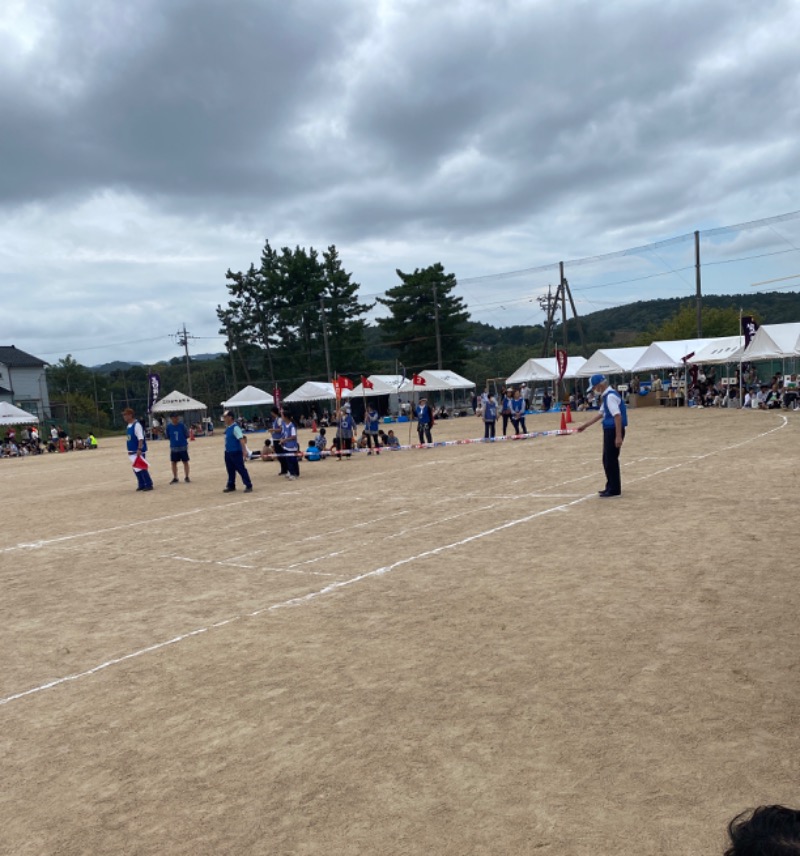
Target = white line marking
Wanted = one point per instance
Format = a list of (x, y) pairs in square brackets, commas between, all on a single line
[(333, 587)]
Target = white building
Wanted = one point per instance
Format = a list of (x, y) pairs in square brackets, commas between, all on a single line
[(23, 381)]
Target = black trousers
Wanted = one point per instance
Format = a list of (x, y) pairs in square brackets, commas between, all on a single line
[(424, 431), (234, 463), (611, 460)]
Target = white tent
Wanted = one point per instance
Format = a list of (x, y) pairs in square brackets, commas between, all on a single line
[(437, 380), (612, 361), (11, 415), (381, 385), (314, 390), (773, 342), (177, 402), (250, 396), (546, 368), (669, 354), (718, 351)]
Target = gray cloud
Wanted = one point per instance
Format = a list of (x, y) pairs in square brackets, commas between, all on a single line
[(147, 148)]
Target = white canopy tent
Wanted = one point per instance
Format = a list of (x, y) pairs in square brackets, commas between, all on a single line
[(381, 385), (11, 415), (718, 351), (774, 342), (250, 396), (437, 380), (177, 402), (546, 369), (314, 390), (612, 361), (669, 354)]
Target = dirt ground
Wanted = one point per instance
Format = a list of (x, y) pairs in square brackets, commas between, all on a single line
[(455, 651)]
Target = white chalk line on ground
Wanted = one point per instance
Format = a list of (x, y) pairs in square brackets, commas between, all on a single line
[(292, 569), (341, 584)]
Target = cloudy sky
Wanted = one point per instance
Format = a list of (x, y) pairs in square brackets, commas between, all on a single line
[(147, 147)]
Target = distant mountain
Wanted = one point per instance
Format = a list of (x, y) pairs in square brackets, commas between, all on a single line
[(116, 365), (199, 358)]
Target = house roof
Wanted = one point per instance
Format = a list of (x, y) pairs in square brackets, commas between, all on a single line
[(13, 357)]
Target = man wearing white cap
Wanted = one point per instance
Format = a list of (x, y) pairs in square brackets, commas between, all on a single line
[(615, 419)]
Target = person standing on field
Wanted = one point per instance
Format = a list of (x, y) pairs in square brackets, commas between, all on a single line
[(615, 419), (178, 447), (137, 449), (235, 452)]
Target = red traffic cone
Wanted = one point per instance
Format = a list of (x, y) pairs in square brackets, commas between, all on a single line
[(569, 415), (191, 433), (563, 420), (314, 425)]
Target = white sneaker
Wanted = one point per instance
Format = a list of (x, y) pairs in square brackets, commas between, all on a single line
[(291, 477)]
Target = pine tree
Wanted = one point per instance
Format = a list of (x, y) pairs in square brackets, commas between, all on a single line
[(411, 328)]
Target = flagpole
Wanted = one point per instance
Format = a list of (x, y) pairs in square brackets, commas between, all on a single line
[(741, 333)]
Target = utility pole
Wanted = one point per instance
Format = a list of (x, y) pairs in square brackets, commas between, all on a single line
[(183, 340), (438, 334), (698, 285), (550, 304), (325, 336)]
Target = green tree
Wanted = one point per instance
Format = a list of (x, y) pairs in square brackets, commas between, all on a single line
[(280, 308), (717, 322), (411, 328), (343, 315)]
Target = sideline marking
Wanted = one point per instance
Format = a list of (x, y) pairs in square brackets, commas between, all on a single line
[(341, 584)]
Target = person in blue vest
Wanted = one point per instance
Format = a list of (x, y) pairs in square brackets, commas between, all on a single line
[(518, 413), (424, 416), (614, 416), (235, 452), (276, 431), (506, 410), (489, 416), (345, 430), (178, 447), (290, 446), (137, 448), (371, 428)]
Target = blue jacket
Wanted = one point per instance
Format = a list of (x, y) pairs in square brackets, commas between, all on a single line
[(133, 440), (608, 419)]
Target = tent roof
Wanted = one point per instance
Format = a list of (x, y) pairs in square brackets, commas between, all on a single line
[(611, 361), (545, 368), (774, 341), (11, 415), (669, 354), (382, 385), (249, 397), (177, 402), (314, 390), (437, 380), (727, 350)]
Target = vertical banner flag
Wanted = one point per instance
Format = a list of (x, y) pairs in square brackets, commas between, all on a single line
[(366, 383), (276, 394), (561, 362), (418, 380), (749, 327), (153, 390)]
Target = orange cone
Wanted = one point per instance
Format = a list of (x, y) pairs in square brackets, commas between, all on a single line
[(314, 425), (563, 420), (569, 415), (191, 433)]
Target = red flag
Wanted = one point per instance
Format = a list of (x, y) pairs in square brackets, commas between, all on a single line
[(337, 387), (561, 362), (418, 380), (345, 383), (140, 463), (367, 383)]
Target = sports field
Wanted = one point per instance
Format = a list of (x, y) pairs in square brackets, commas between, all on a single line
[(459, 650)]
